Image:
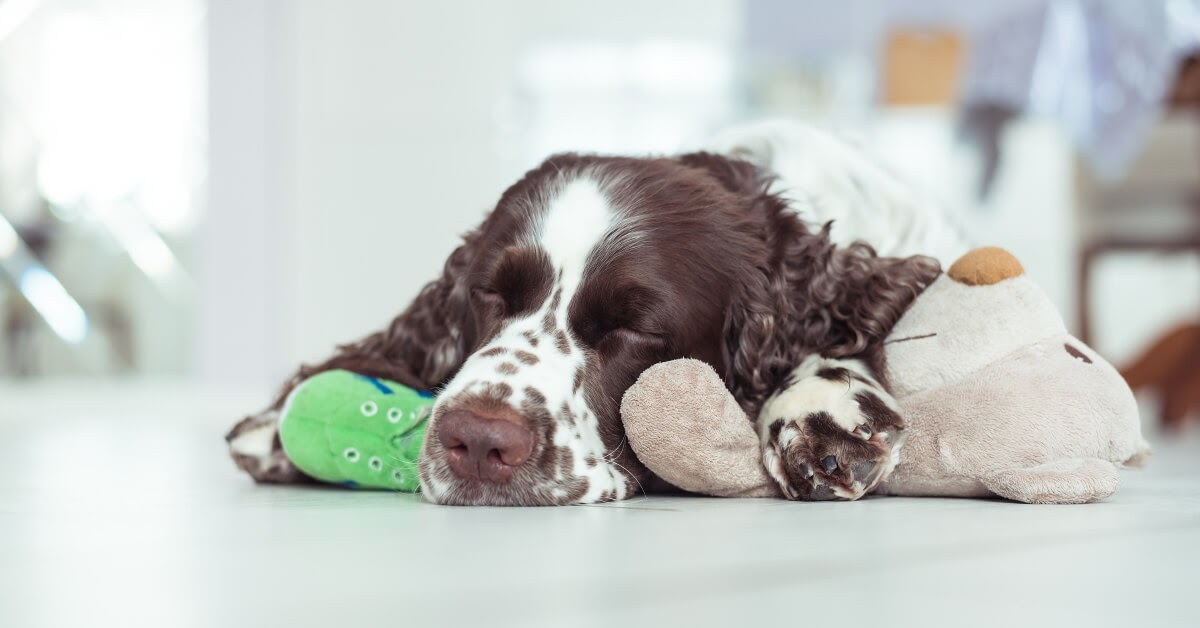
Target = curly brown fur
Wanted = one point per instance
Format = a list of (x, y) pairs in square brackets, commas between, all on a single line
[(803, 294)]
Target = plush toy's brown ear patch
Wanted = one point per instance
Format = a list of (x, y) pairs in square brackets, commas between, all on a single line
[(985, 266)]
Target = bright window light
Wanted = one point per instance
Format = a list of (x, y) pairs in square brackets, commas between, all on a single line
[(51, 300), (622, 97)]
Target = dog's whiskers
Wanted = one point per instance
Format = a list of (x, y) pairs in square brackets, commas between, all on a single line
[(615, 452)]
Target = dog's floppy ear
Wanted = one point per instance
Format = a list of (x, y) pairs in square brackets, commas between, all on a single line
[(804, 294), (815, 297), (434, 334), (422, 347), (754, 343)]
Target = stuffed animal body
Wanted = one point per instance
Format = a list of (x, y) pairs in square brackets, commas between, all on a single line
[(998, 398)]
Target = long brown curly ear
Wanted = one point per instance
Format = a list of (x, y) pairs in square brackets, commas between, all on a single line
[(813, 297), (422, 347), (848, 299)]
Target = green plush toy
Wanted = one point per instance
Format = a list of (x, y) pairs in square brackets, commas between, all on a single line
[(356, 431)]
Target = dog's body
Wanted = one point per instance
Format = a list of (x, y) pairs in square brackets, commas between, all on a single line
[(591, 269), (829, 177)]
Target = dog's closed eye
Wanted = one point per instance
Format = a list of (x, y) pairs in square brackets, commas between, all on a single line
[(487, 296), (630, 334)]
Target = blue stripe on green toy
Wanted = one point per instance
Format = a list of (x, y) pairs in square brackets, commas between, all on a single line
[(376, 383)]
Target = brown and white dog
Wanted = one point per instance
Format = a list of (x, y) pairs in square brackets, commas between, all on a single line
[(590, 269)]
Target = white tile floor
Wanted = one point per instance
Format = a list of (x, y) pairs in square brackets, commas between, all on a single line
[(118, 507)]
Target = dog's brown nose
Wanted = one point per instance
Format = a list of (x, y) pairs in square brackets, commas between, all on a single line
[(481, 448)]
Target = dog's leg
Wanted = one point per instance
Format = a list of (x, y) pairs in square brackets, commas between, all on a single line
[(830, 432), (256, 449)]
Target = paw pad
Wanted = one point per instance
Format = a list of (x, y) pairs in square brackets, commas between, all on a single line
[(829, 463)]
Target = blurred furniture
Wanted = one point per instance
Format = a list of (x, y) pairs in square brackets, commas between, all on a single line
[(21, 324), (922, 67), (1170, 366), (1156, 208), (20, 320)]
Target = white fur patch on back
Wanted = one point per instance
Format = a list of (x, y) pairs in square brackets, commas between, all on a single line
[(828, 176)]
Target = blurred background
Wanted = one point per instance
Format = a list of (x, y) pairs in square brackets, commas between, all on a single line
[(210, 192)]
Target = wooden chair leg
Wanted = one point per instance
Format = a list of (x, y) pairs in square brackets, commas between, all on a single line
[(1163, 359), (1181, 395)]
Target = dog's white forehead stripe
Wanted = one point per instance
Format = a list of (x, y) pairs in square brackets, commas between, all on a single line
[(572, 225), (575, 222)]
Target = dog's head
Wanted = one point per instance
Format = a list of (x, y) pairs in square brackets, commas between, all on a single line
[(588, 271)]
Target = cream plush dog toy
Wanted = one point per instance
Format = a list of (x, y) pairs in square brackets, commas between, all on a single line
[(998, 399)]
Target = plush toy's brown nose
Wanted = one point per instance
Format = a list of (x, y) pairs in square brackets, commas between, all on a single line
[(985, 266), (483, 448)]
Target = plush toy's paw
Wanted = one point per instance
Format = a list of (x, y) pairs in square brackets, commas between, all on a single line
[(687, 428), (256, 449), (832, 432), (1071, 481)]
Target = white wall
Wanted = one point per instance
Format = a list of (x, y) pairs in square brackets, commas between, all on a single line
[(240, 242), (352, 142)]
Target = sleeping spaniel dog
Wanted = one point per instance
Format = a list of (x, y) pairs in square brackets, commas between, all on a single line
[(590, 269)]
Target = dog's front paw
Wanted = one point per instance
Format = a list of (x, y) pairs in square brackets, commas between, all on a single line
[(831, 433)]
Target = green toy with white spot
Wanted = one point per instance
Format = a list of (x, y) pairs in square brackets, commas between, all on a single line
[(356, 431)]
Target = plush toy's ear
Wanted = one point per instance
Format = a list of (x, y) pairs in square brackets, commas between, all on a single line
[(689, 430)]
